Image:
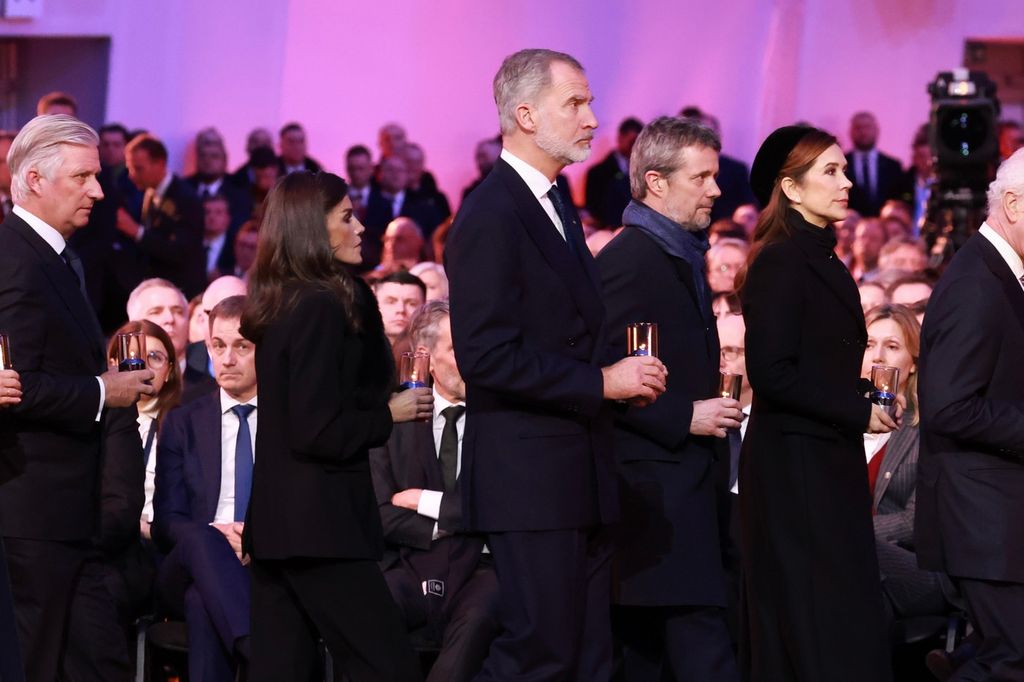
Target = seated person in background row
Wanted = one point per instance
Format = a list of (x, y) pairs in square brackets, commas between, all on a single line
[(894, 340), (198, 375), (163, 304), (903, 253), (437, 575), (403, 247), (872, 294), (912, 291), (398, 296), (245, 248), (433, 275), (203, 480), (725, 258)]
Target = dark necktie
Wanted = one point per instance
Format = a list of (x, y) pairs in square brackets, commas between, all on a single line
[(243, 460), (565, 215), (449, 450), (735, 443), (75, 263), (149, 443)]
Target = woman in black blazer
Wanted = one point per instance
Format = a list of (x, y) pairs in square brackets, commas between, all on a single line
[(325, 373), (812, 594)]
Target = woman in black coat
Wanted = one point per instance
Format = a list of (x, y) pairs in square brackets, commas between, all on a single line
[(325, 373), (812, 594)]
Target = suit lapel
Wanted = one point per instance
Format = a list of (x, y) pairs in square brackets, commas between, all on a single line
[(573, 271), (206, 425), (685, 274), (65, 284), (426, 456), (896, 450), (1002, 272)]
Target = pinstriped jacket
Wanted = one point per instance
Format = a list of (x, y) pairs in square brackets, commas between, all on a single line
[(896, 487)]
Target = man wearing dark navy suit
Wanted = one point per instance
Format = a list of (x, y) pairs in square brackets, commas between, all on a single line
[(528, 327), (670, 588), (438, 575), (50, 512), (970, 476), (876, 176), (203, 479)]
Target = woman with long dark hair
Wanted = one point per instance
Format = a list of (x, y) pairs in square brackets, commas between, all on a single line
[(813, 597), (325, 373)]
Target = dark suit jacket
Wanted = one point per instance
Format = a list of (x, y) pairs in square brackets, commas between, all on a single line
[(324, 393), (896, 487), (890, 175), (668, 550), (970, 490), (607, 192), (309, 164), (197, 379), (734, 181), (528, 327), (122, 481), (239, 205), (188, 470), (58, 350), (409, 460), (172, 246)]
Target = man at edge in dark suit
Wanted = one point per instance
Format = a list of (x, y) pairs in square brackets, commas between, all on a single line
[(437, 574), (528, 328), (970, 490), (49, 514), (875, 175)]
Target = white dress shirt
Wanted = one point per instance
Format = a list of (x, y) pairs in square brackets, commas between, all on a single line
[(228, 438), (735, 490), (210, 188), (56, 241), (873, 444), (147, 419), (213, 250), (539, 185), (1011, 257), (430, 500)]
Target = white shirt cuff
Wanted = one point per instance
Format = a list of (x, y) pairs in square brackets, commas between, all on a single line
[(430, 504), (103, 398)]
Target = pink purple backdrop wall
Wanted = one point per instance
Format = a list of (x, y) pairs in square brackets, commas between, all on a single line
[(342, 68)]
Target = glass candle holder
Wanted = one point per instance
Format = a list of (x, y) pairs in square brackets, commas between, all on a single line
[(642, 339), (414, 370), (5, 352), (131, 351), (886, 381), (729, 385)]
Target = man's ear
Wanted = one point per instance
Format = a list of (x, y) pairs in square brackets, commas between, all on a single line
[(655, 182), (526, 117)]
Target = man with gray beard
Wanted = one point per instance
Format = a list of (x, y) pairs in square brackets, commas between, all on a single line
[(528, 330), (670, 586)]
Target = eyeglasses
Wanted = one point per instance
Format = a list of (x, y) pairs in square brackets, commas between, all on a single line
[(727, 267), (156, 359), (730, 353)]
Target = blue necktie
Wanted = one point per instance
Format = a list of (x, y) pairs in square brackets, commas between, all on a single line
[(243, 460)]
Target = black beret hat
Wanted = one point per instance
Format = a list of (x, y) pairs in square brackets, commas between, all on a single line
[(771, 157)]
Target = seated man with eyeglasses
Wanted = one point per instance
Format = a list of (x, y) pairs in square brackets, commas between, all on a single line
[(203, 481)]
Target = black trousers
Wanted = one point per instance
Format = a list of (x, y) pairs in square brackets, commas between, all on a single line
[(680, 643), (467, 622), (11, 668), (43, 575), (554, 606), (347, 603), (997, 613)]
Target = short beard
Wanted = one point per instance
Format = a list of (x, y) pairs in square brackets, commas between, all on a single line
[(563, 152)]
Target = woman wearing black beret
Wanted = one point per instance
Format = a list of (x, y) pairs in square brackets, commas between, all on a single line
[(813, 598)]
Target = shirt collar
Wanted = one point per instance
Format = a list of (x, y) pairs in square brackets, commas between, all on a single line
[(1005, 250), (49, 234), (161, 189), (227, 402), (534, 179), (440, 405), (212, 187)]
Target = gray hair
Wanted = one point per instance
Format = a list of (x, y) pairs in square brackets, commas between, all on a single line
[(426, 266), (152, 283), (1009, 178), (727, 243), (38, 146), (521, 78), (423, 325), (658, 145)]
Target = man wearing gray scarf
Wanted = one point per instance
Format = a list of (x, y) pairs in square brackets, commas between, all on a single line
[(670, 587)]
